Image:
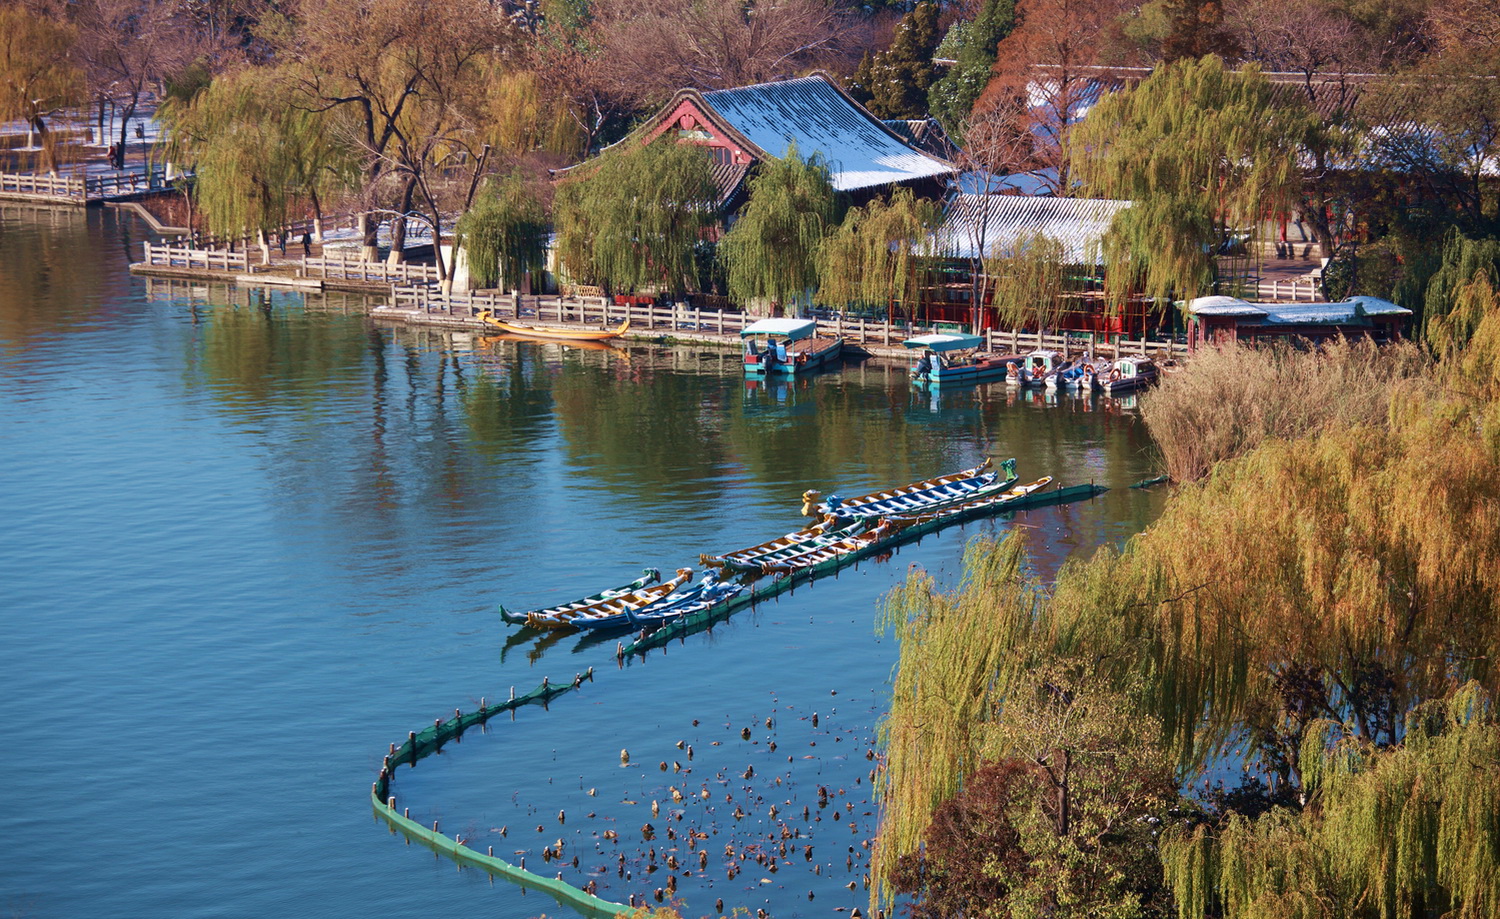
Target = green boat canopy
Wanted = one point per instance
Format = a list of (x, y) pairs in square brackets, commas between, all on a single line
[(945, 341)]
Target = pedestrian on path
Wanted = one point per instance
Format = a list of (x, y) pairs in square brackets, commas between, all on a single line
[(306, 244), (281, 241)]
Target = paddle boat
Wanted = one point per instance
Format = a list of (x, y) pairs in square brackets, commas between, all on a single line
[(787, 347), (554, 333), (1073, 376), (1126, 374), (1032, 369), (949, 358)]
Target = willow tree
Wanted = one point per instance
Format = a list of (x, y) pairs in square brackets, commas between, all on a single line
[(872, 259), (504, 233), (1203, 153), (1030, 279), (1321, 610), (37, 74), (771, 251), (632, 219), (256, 159)]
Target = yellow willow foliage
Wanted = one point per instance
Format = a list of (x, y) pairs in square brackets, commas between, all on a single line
[(1408, 831), (1029, 281), (771, 251), (944, 697), (1201, 151), (871, 258), (524, 117)]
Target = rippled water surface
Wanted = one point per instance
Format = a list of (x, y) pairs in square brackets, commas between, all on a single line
[(248, 541)]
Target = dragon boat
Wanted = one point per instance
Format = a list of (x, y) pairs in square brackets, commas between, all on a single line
[(988, 504), (649, 576), (831, 530), (609, 611), (819, 559), (917, 497), (709, 592)]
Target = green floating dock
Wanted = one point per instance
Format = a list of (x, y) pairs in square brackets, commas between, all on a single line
[(429, 740)]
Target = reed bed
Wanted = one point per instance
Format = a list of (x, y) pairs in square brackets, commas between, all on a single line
[(1228, 401)]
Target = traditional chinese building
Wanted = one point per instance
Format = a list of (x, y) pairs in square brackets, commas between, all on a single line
[(749, 124), (1226, 320)]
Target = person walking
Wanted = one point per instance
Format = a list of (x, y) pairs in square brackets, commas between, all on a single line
[(306, 244), (281, 241)]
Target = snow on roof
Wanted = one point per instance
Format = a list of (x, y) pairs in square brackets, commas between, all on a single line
[(792, 329), (1353, 310), (819, 118), (1224, 306), (976, 225)]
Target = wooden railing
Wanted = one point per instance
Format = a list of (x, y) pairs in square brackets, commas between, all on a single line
[(1303, 289), (351, 268), (43, 186), (579, 310), (209, 259), (126, 183), (600, 311), (294, 230)]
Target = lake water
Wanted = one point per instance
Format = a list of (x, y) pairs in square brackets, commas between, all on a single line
[(249, 541)]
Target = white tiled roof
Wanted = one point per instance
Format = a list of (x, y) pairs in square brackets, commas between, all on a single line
[(977, 225), (812, 113)]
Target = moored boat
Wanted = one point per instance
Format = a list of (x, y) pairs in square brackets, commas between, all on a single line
[(949, 358), (708, 592), (649, 576), (787, 347), (918, 496), (834, 554), (1033, 368), (1128, 373), (832, 528), (988, 503), (554, 333), (611, 610)]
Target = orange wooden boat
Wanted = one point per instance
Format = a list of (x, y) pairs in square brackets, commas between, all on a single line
[(555, 333)]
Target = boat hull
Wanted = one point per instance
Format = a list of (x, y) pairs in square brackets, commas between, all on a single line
[(550, 333), (817, 354), (958, 376)]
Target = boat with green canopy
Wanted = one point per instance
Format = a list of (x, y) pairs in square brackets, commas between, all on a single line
[(950, 358), (787, 347)]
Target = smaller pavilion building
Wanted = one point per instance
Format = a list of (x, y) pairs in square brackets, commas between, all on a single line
[(1220, 320)]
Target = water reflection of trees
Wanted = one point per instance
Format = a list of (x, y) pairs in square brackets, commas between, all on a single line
[(59, 270)]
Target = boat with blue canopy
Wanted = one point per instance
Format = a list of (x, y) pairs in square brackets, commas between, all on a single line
[(950, 358), (787, 347)]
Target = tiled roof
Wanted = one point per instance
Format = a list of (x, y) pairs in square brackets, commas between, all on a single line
[(1355, 310), (818, 117), (976, 225)]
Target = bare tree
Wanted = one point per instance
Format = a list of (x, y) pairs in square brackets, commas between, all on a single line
[(708, 44), (407, 70), (1046, 75), (129, 48)]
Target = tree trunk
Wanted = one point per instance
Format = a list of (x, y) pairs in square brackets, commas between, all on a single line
[(49, 153), (398, 226), (125, 117), (370, 250), (317, 225)]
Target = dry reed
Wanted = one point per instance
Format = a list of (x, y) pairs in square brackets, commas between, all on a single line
[(1230, 400)]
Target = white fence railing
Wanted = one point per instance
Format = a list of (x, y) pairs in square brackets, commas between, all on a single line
[(601, 311), (185, 257), (43, 186), (351, 268)]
